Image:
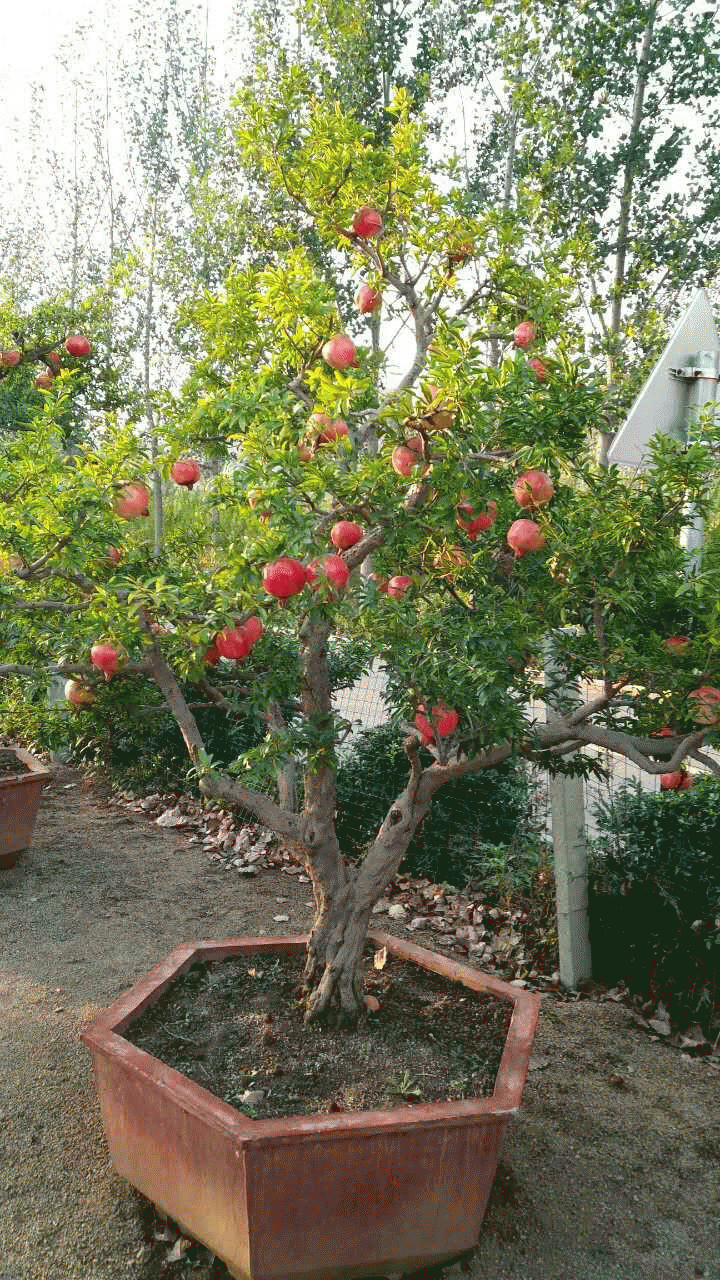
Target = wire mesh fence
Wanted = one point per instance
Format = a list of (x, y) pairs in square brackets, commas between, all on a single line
[(365, 707)]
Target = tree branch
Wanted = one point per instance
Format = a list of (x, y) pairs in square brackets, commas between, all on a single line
[(220, 786)]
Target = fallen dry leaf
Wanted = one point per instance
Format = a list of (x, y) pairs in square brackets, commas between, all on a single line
[(380, 958), (371, 1003)]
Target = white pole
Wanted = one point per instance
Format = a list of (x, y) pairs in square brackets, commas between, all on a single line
[(703, 390), (567, 810)]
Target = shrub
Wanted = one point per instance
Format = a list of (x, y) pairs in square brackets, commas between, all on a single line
[(468, 819), (655, 899)]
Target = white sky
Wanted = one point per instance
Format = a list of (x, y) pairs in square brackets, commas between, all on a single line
[(33, 30)]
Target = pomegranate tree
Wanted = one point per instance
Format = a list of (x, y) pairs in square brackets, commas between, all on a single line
[(370, 479)]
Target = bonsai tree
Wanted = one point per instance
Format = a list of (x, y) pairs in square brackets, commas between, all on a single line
[(447, 519)]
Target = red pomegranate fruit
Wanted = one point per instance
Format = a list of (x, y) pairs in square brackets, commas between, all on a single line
[(367, 299), (339, 352), (186, 472), (705, 701), (77, 345), (132, 501), (398, 585), (524, 536), (106, 658), (331, 568), (345, 534), (524, 334), (79, 694), (367, 223), (533, 489), (284, 577)]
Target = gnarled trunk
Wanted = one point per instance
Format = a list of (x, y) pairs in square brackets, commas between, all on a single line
[(331, 982)]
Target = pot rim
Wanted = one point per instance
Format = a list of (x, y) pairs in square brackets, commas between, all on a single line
[(104, 1036), (37, 771)]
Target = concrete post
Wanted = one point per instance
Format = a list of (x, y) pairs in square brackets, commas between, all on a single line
[(567, 809)]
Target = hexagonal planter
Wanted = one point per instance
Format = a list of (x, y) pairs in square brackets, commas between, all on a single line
[(321, 1197), (22, 779)]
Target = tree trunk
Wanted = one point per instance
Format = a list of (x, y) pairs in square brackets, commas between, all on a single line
[(626, 198), (331, 982)]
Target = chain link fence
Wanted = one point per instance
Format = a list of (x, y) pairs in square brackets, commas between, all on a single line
[(364, 706)]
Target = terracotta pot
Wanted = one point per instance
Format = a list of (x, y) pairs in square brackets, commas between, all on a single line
[(20, 794), (321, 1197)]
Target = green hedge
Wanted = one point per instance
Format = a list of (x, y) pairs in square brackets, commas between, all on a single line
[(655, 896), (469, 819)]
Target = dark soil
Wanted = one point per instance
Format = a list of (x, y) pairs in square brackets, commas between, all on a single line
[(236, 1027), (9, 764)]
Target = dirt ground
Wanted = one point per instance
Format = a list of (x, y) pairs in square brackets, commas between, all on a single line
[(598, 1181)]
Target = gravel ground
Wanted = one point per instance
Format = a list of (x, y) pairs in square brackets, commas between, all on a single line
[(600, 1180)]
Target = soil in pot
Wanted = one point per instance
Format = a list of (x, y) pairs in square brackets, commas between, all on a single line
[(235, 1026), (10, 764)]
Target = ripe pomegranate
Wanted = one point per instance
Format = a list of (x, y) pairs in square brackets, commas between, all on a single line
[(524, 536), (367, 299), (45, 381), (677, 644), (9, 359), (77, 345), (539, 368), (706, 699), (533, 489), (284, 577), (186, 471), (211, 655), (132, 501), (106, 658), (405, 457), (524, 334), (253, 628), (335, 430), (332, 568), (304, 453), (233, 642), (367, 223), (677, 781), (474, 525), (339, 352), (444, 719), (79, 694), (398, 585), (345, 534), (114, 555), (53, 358), (427, 733)]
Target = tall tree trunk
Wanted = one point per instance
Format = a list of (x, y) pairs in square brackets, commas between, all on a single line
[(626, 199), (147, 387)]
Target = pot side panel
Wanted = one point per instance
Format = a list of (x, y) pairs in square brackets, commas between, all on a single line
[(392, 1200), (188, 1167), (19, 804)]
